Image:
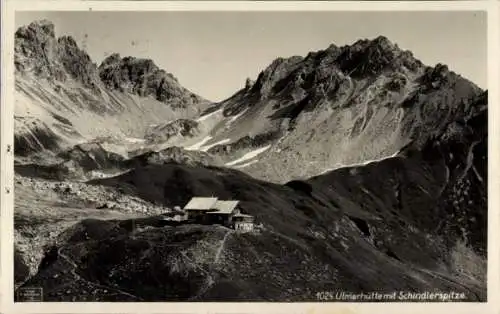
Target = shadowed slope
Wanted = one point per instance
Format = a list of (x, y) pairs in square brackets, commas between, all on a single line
[(397, 224)]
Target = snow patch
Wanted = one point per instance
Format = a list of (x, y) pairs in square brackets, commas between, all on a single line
[(198, 145), (236, 117), (364, 163), (96, 174), (207, 147), (135, 140), (202, 118), (248, 155), (246, 164)]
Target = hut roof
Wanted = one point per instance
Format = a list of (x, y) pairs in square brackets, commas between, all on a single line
[(201, 203), (225, 207)]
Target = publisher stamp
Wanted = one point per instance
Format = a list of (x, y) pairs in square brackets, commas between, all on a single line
[(31, 294)]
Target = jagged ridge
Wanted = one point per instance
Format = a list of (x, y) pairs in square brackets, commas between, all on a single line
[(341, 106), (57, 81), (144, 78)]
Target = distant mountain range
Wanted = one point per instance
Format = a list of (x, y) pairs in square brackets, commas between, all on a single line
[(366, 168), (332, 108)]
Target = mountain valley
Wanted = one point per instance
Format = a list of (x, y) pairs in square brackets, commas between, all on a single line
[(365, 170)]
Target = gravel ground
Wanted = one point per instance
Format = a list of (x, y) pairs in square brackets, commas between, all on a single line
[(43, 209)]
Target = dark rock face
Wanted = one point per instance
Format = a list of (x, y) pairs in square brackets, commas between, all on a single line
[(56, 172), (465, 197), (92, 156), (144, 78), (371, 57), (276, 72), (78, 63), (35, 141), (39, 52)]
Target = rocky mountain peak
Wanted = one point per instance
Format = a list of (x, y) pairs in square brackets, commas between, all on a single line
[(144, 78), (40, 53), (383, 42), (39, 28), (440, 72), (363, 59), (332, 47), (279, 69), (371, 57), (67, 41), (34, 48), (111, 59)]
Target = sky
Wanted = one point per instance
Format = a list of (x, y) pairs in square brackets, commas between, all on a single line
[(212, 53)]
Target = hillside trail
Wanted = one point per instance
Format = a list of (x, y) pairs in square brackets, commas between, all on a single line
[(210, 271), (221, 246), (73, 271)]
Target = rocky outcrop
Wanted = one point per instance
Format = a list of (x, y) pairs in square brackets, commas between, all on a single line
[(180, 128), (176, 155), (38, 52), (92, 156), (76, 163), (144, 78), (367, 58), (249, 83)]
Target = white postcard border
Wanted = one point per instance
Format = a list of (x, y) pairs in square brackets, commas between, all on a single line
[(6, 180)]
